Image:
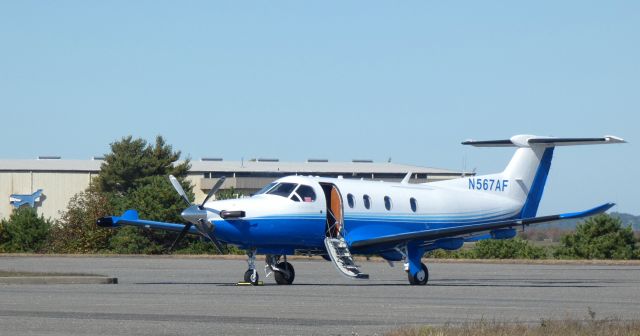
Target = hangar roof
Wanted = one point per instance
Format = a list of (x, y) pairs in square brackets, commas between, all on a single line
[(232, 166), (312, 167), (51, 165)]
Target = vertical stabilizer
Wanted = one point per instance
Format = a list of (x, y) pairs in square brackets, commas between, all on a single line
[(529, 167), (527, 172)]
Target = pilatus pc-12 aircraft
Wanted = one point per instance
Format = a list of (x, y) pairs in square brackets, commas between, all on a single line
[(337, 218)]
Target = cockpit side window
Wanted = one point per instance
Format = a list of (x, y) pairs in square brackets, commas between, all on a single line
[(282, 189), (306, 193)]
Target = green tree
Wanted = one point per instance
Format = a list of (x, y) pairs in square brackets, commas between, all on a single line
[(24, 231), (154, 200), (133, 161), (599, 237), (135, 175), (76, 231)]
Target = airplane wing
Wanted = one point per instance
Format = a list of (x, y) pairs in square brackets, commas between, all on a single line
[(433, 234), (130, 217)]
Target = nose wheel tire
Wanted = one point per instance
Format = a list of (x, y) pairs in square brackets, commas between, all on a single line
[(251, 276), (421, 278)]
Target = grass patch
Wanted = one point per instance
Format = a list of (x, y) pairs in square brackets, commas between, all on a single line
[(566, 327)]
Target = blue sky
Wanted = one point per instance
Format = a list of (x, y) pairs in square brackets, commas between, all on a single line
[(339, 80)]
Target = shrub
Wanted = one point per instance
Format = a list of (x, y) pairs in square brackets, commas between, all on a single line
[(77, 232), (24, 231), (599, 237)]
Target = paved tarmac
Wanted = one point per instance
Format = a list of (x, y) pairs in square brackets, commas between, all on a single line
[(183, 296)]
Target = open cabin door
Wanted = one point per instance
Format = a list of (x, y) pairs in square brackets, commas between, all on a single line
[(335, 215), (334, 242)]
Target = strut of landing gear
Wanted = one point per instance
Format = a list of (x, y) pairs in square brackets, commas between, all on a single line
[(411, 256), (283, 271), (251, 275)]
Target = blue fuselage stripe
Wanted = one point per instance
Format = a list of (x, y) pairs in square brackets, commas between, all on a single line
[(308, 231)]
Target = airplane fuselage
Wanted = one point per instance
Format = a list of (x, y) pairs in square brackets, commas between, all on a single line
[(371, 209)]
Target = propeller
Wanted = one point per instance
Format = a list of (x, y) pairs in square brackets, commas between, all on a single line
[(213, 190), (178, 187), (197, 214)]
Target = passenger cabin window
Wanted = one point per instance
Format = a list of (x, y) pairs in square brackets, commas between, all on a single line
[(367, 201), (305, 194), (387, 202), (350, 201), (414, 204)]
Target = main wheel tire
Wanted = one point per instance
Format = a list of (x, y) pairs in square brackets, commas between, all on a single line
[(281, 277), (251, 276), (421, 278)]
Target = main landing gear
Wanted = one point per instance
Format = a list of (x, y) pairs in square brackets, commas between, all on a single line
[(417, 271), (421, 277), (283, 271)]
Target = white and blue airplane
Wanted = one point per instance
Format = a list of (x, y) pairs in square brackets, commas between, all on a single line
[(18, 200), (336, 217)]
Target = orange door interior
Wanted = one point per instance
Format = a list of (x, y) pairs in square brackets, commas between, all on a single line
[(336, 209)]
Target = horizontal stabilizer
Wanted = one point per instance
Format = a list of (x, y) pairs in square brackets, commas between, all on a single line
[(533, 140), (462, 230)]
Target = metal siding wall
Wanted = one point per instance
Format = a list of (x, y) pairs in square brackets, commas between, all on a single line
[(12, 183), (58, 188), (197, 191)]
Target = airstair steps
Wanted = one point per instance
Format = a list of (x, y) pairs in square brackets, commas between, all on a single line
[(342, 258)]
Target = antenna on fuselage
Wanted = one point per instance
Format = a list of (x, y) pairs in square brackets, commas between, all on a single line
[(406, 178)]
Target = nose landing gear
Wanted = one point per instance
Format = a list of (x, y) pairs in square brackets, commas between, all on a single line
[(251, 275)]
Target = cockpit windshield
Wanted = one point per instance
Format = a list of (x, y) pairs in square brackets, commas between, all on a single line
[(282, 189), (293, 191), (265, 188)]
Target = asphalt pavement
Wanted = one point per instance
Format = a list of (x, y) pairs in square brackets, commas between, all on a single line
[(186, 296)]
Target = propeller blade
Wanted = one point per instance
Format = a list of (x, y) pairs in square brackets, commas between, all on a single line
[(218, 245), (183, 233), (178, 188), (215, 241), (213, 190)]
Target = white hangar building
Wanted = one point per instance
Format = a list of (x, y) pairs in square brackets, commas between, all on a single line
[(48, 183)]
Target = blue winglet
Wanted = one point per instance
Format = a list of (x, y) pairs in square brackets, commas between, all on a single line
[(130, 214), (590, 212)]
